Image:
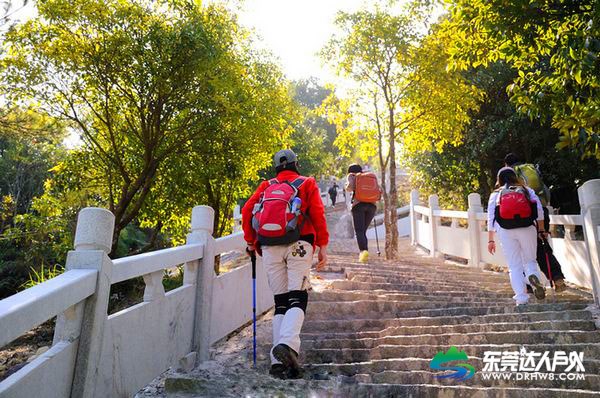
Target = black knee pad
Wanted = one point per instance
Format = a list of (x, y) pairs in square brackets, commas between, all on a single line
[(281, 303), (298, 299)]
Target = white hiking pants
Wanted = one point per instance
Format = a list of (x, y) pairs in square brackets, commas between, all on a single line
[(519, 247), (288, 268)]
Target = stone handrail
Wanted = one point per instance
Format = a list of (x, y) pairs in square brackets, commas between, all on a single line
[(32, 307), (130, 267), (402, 224), (421, 210), (580, 259), (98, 355), (400, 212), (450, 214), (229, 243)]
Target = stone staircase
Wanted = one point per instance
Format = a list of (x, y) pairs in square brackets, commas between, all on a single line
[(385, 322), (372, 331)]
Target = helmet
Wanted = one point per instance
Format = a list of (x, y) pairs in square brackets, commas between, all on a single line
[(284, 157)]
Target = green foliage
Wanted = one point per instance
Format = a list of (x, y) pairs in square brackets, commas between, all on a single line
[(375, 49), (553, 45), (495, 129), (27, 153), (42, 275), (313, 137), (438, 102), (173, 106), (173, 278), (31, 232)]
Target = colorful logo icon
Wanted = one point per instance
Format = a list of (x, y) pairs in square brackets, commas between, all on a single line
[(463, 371)]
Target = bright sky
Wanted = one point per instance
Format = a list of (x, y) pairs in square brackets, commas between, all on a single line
[(295, 31)]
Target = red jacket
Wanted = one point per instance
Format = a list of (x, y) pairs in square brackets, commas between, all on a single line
[(312, 205)]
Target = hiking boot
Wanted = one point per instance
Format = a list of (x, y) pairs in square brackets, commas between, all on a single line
[(538, 289), (278, 371), (295, 373), (529, 289), (289, 358), (363, 257), (559, 285)]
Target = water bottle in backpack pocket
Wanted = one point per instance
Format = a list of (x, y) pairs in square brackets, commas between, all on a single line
[(514, 208), (276, 217)]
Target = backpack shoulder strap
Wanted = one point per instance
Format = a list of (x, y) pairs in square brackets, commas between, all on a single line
[(298, 182)]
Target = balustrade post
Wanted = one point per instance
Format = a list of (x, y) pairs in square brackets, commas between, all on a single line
[(93, 240), (474, 228), (434, 222), (589, 199), (201, 232), (237, 219), (414, 201)]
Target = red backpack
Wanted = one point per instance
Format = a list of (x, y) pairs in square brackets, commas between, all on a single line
[(275, 217), (366, 188), (514, 208)]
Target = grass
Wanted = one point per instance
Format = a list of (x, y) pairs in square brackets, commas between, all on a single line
[(41, 276)]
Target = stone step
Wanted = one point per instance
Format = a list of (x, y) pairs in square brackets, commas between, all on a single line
[(441, 280), (379, 294), (412, 288), (349, 355), (459, 339), (345, 295), (592, 366), (433, 285), (431, 391), (441, 273), (345, 325), (369, 309), (412, 267), (359, 307), (585, 325), (591, 382)]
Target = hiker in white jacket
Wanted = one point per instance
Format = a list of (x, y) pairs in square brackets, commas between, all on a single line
[(518, 237)]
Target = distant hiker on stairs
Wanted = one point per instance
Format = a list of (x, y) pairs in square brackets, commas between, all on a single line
[(530, 175), (333, 192), (365, 193), (285, 221), (513, 212)]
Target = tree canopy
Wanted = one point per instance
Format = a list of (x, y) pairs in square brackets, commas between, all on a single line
[(164, 95), (553, 44)]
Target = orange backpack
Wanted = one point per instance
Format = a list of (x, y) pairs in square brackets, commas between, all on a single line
[(366, 188)]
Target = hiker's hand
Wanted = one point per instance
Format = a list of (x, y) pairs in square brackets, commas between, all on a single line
[(322, 258), (250, 249), (543, 234), (492, 247)]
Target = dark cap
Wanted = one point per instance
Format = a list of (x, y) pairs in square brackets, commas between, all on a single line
[(284, 157)]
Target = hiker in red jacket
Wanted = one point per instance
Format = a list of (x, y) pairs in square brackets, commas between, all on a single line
[(285, 220)]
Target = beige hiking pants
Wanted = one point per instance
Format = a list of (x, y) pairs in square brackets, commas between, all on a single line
[(288, 266)]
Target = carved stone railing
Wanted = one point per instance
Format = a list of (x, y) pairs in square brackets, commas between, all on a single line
[(99, 355)]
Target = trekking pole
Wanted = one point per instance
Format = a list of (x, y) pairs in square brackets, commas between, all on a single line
[(545, 244), (376, 238), (253, 260)]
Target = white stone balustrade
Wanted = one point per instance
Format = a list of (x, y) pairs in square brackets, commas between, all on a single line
[(403, 224), (100, 355), (580, 259)]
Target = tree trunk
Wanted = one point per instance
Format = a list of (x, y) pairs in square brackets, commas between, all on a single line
[(391, 233), (386, 216)]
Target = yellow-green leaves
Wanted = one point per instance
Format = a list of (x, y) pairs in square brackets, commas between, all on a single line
[(555, 52)]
